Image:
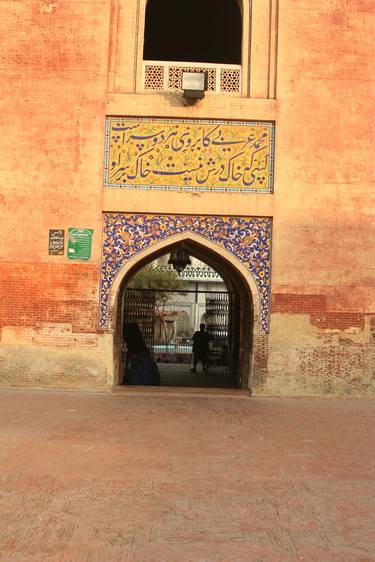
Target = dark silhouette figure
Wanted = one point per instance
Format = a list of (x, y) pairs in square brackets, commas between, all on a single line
[(140, 367), (200, 348)]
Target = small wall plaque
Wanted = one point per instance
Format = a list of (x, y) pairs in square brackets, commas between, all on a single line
[(56, 242)]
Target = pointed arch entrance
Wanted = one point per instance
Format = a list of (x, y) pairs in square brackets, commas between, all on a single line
[(237, 247)]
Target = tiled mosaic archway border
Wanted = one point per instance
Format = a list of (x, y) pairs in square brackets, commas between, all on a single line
[(248, 239)]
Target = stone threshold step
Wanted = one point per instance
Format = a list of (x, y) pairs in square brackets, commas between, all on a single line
[(181, 391)]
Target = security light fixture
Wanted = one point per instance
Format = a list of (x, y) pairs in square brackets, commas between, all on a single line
[(194, 84), (179, 258)]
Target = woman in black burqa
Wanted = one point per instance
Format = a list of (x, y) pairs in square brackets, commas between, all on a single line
[(141, 369)]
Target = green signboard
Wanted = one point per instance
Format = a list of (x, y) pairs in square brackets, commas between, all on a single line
[(79, 243)]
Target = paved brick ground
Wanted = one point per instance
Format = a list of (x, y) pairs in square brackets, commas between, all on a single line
[(155, 477)]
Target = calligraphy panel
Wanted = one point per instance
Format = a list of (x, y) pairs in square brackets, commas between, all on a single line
[(189, 155)]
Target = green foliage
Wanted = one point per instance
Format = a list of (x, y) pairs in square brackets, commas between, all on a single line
[(165, 281)]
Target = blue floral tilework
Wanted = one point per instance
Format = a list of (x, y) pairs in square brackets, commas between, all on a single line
[(246, 238)]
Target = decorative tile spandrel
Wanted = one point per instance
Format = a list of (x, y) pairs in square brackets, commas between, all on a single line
[(189, 155), (248, 239)]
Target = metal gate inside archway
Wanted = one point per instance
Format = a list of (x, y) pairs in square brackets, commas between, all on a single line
[(167, 333)]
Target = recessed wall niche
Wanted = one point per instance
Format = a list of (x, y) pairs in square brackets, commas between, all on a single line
[(255, 76)]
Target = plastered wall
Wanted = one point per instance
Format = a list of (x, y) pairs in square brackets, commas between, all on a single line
[(64, 70)]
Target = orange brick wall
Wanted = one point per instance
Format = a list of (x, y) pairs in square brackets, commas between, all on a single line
[(54, 76), (35, 293), (56, 60)]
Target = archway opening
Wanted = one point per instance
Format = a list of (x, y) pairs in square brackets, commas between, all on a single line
[(208, 31), (213, 292)]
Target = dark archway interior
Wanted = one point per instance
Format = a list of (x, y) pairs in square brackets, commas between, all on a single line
[(194, 31), (243, 319)]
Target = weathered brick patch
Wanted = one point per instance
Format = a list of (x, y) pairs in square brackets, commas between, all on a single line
[(306, 359)]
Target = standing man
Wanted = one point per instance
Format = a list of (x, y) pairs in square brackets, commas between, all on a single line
[(200, 348)]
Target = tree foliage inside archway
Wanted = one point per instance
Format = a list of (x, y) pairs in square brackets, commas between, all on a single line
[(163, 280)]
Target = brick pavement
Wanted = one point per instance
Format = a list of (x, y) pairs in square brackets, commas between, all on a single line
[(174, 477)]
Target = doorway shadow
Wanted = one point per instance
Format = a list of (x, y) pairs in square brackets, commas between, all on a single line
[(180, 375), (177, 374)]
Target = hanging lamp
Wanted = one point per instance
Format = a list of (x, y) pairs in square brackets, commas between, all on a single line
[(179, 258)]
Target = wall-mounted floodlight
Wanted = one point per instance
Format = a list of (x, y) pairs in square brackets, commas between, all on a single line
[(194, 84)]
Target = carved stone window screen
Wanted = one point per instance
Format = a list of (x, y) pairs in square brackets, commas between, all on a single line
[(195, 273), (159, 76), (257, 73), (230, 80)]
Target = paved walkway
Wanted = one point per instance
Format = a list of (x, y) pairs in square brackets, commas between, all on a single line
[(173, 374), (185, 478)]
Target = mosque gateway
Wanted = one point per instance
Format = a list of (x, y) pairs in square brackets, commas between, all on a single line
[(187, 167)]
